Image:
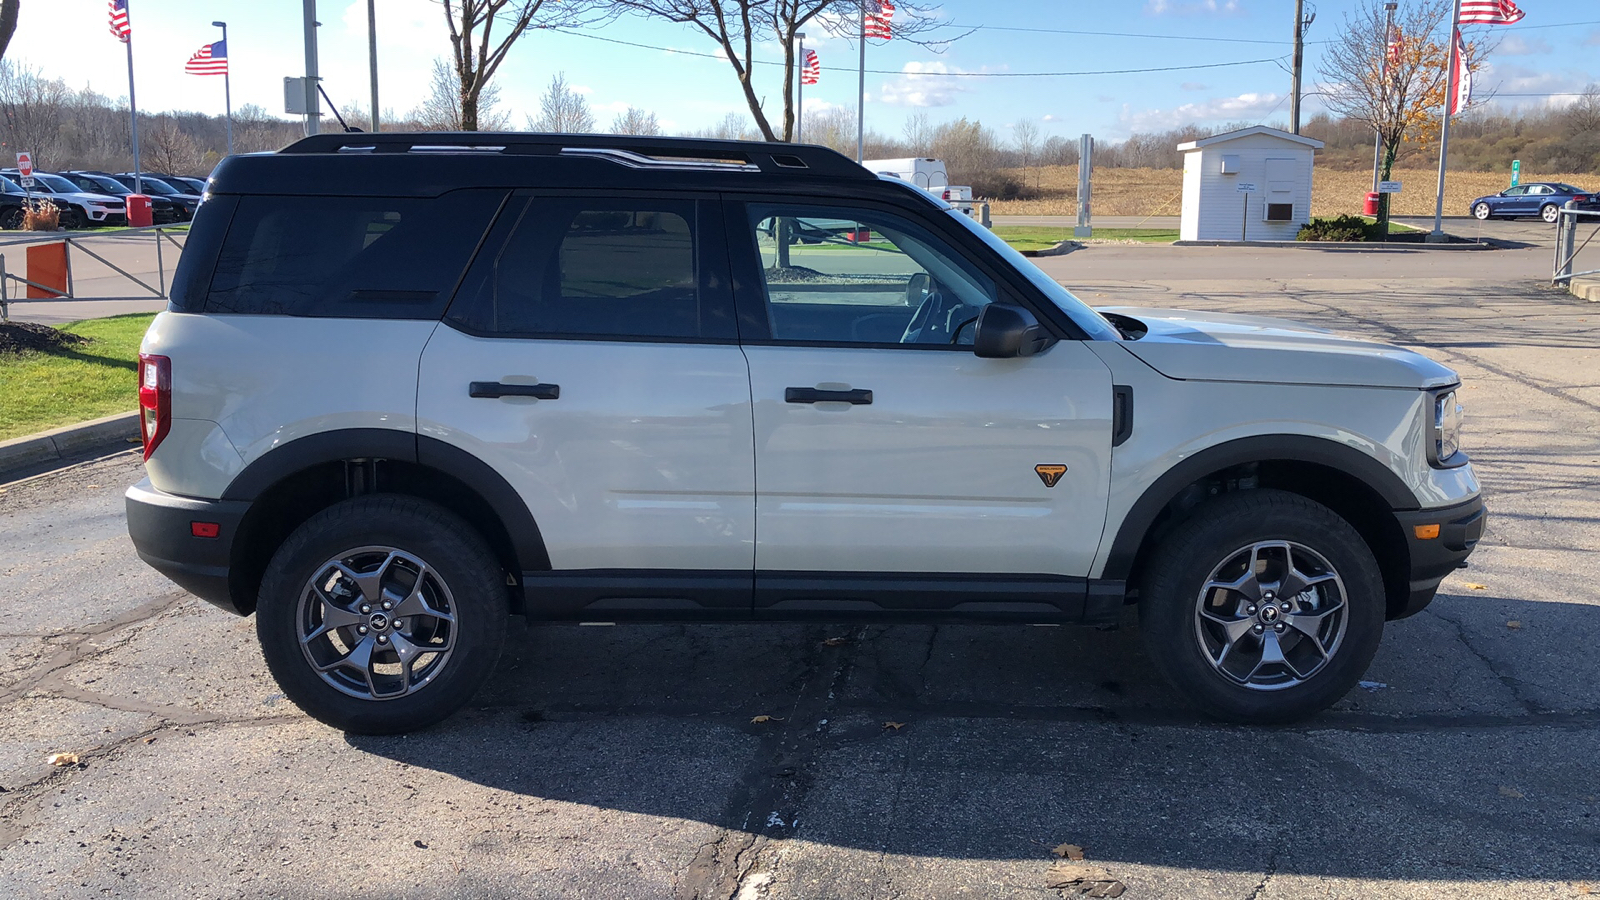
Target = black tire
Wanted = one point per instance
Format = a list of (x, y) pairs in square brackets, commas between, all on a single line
[(11, 219), (1170, 604), (473, 591)]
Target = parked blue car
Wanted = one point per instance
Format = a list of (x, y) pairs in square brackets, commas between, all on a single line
[(1536, 198)]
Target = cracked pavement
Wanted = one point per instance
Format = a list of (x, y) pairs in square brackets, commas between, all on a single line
[(624, 762)]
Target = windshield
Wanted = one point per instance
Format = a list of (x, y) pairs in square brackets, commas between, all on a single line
[(101, 184), (7, 186), (55, 183), (154, 186), (1093, 324)]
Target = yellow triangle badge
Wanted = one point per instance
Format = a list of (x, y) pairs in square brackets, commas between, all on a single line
[(1050, 474)]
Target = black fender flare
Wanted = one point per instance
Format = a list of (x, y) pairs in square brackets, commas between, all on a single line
[(1288, 447), (406, 446)]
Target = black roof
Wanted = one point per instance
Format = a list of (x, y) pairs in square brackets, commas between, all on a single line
[(428, 164)]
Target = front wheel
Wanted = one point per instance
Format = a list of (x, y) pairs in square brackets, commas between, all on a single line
[(1265, 607), (1480, 211), (382, 614), (1550, 213)]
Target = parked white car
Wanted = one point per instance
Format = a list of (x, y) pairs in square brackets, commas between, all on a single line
[(399, 394)]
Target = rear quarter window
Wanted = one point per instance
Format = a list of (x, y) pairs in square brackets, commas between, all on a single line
[(348, 257)]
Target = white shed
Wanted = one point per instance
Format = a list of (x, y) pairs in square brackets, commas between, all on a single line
[(1274, 165)]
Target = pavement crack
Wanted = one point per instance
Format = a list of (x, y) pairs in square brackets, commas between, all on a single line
[(73, 650), (1511, 683), (1272, 870)]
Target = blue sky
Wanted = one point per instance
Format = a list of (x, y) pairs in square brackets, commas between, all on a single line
[(687, 92)]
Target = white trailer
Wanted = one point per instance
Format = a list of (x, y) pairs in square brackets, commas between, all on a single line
[(923, 172)]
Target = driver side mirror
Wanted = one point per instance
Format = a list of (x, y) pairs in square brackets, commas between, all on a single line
[(1007, 332)]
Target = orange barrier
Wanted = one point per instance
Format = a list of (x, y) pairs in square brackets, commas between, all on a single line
[(47, 265)]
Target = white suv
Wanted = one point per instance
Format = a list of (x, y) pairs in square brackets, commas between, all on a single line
[(442, 378)]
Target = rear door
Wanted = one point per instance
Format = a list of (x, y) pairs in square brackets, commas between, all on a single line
[(590, 358), (886, 451)]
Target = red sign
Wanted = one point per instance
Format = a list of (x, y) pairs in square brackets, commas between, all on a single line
[(25, 164)]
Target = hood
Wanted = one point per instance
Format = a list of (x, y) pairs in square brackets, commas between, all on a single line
[(1203, 346)]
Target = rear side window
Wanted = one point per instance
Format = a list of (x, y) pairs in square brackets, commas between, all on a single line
[(598, 268), (348, 257)]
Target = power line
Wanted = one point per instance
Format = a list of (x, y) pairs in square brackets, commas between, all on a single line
[(768, 62), (1126, 34)]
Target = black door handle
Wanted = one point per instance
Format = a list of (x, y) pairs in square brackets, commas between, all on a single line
[(813, 395), (492, 389)]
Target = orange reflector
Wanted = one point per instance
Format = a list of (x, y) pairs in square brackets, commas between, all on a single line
[(212, 529), (1426, 532)]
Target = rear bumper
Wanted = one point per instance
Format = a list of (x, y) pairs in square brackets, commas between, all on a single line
[(1460, 528), (161, 526)]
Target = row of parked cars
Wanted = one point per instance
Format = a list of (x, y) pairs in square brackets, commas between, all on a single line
[(91, 199)]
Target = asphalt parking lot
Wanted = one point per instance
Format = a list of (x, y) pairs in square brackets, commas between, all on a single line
[(904, 761)]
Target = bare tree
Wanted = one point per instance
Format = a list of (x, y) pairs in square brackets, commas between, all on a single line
[(635, 121), (1026, 135), (8, 23), (1397, 93), (478, 52), (737, 26), (1583, 116), (562, 110), (169, 148), (1059, 151), (441, 109), (31, 108), (918, 133)]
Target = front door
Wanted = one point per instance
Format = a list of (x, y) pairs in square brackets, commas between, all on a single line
[(590, 358), (885, 449)]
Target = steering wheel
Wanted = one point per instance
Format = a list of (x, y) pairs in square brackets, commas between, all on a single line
[(932, 303)]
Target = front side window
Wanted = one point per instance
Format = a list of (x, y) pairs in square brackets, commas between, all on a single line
[(595, 268), (860, 276)]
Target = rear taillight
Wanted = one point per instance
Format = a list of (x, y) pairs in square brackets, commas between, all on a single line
[(947, 195), (1581, 198), (155, 400)]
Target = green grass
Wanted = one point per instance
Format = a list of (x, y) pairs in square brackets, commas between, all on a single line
[(73, 384), (1394, 227), (1043, 237)]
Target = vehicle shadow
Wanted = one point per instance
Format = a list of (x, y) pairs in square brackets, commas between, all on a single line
[(996, 743)]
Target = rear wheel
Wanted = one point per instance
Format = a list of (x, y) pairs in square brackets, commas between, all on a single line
[(11, 219), (1550, 213), (1481, 211), (382, 614), (1265, 607)]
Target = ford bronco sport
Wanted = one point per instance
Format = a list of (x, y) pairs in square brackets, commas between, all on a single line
[(411, 384)]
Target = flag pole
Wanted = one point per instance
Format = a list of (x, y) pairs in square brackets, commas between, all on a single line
[(133, 107), (227, 89), (800, 92), (1437, 236), (861, 91)]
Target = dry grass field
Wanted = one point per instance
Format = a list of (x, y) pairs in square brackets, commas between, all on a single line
[(1158, 192)]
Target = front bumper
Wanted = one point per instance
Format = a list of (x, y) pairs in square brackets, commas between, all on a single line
[(1459, 529), (161, 526)]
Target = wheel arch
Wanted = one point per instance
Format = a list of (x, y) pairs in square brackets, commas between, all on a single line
[(1353, 484), (291, 483)]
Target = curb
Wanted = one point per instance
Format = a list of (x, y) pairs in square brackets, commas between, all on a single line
[(1351, 246), (68, 441), (1585, 289)]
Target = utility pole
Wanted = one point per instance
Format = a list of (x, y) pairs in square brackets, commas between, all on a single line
[(372, 56), (1301, 23), (313, 104), (1388, 60)]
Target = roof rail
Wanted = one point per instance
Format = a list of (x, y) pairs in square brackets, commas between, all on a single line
[(628, 150)]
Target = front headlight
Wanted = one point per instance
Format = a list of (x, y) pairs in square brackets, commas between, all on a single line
[(1447, 414)]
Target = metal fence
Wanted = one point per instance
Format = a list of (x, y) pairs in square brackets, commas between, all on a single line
[(79, 244), (1567, 244)]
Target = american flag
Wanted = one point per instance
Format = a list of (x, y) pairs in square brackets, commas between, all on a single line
[(878, 23), (811, 72), (212, 59), (1397, 46), (119, 19), (1460, 79), (1490, 12)]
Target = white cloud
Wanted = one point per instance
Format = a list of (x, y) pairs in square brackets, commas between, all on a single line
[(1244, 106), (1556, 90), (1051, 118), (582, 90), (921, 85), (1191, 7), (1517, 45)]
